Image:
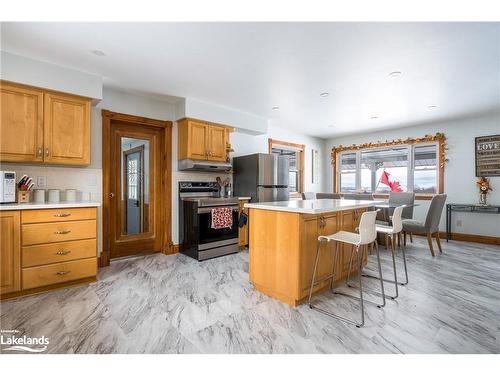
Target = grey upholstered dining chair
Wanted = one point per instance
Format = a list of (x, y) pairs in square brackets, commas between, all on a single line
[(359, 196), (431, 225), (308, 195), (327, 196)]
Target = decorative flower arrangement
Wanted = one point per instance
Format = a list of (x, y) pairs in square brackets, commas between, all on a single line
[(484, 187)]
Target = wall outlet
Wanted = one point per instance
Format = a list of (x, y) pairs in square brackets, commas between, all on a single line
[(459, 223), (41, 181)]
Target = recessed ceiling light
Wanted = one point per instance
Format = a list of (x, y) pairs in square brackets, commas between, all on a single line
[(395, 74), (275, 108), (432, 106), (373, 117), (98, 52), (324, 94)]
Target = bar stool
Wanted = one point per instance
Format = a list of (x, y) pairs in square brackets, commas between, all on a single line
[(367, 234), (391, 232)]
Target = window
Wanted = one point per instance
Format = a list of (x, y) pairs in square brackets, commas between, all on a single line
[(414, 165), (295, 154)]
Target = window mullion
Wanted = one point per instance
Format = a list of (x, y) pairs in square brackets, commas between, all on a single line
[(358, 171), (411, 168)]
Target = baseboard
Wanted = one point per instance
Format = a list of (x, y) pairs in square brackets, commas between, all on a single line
[(490, 240), (173, 249), (472, 238)]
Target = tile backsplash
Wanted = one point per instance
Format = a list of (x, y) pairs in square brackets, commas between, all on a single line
[(87, 181)]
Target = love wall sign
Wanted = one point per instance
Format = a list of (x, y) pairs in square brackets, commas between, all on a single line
[(488, 156)]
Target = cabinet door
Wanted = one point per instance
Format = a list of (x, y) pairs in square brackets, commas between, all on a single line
[(217, 143), (66, 129), (197, 138), (10, 252), (21, 127)]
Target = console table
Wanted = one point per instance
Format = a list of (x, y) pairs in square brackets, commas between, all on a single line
[(466, 207)]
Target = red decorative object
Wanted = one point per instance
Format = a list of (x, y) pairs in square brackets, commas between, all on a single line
[(222, 217), (388, 180)]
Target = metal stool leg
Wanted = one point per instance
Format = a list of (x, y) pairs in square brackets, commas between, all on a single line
[(393, 250), (381, 279), (404, 262), (361, 304), (314, 273)]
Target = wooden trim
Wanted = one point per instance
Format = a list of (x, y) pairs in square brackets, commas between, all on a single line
[(48, 287), (166, 203), (301, 149), (172, 249), (438, 137)]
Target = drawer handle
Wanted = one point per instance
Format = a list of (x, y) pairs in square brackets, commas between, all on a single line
[(63, 252), (62, 273), (62, 215), (62, 231)]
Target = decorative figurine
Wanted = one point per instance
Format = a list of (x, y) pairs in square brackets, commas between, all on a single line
[(484, 187)]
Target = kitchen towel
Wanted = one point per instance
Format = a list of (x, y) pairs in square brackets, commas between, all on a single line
[(222, 217)]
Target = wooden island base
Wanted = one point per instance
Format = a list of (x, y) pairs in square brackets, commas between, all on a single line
[(283, 249)]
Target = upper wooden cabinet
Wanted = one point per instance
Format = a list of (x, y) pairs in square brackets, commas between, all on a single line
[(40, 126), (21, 130), (66, 129), (202, 140), (10, 252)]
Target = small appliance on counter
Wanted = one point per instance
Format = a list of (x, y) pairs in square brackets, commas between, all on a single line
[(7, 187), (24, 187), (208, 224)]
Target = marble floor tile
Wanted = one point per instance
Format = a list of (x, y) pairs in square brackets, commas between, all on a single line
[(174, 304)]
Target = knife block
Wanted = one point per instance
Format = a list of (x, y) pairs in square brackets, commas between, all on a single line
[(23, 196)]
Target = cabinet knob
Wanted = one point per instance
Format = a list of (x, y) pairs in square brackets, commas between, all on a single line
[(62, 215), (61, 273), (62, 231), (39, 152), (47, 151), (63, 252)]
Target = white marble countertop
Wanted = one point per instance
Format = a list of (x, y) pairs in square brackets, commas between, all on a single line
[(313, 206), (38, 206)]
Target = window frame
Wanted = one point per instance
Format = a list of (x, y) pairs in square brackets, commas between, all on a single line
[(300, 148), (438, 139)]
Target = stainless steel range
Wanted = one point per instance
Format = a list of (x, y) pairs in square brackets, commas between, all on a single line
[(197, 237)]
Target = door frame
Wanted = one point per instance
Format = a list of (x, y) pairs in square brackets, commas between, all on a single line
[(166, 200)]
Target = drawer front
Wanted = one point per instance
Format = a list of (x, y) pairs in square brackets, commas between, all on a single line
[(39, 255), (33, 234), (35, 277), (58, 214)]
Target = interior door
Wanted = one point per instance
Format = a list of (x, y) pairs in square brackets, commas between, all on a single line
[(133, 181), (136, 170)]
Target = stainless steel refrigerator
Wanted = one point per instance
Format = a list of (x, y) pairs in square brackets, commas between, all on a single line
[(264, 177)]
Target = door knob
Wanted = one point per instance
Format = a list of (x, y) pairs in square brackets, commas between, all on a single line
[(111, 195)]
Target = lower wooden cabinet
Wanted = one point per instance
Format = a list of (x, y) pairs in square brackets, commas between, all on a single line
[(10, 252), (243, 231), (57, 247)]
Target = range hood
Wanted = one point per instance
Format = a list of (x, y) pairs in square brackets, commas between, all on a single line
[(204, 166)]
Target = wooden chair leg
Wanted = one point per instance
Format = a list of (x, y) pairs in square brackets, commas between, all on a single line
[(399, 239), (404, 239), (438, 241), (411, 237), (431, 248)]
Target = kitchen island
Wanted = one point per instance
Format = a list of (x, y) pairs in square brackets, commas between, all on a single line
[(283, 241)]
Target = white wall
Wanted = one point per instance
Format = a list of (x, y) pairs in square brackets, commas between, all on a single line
[(459, 179), (21, 69)]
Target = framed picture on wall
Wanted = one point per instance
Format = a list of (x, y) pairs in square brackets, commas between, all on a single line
[(488, 156)]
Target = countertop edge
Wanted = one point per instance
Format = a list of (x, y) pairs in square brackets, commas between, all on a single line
[(42, 206), (309, 211)]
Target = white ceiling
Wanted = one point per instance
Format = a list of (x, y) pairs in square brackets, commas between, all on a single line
[(255, 66)]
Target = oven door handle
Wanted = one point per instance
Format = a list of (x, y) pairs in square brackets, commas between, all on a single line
[(204, 210)]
